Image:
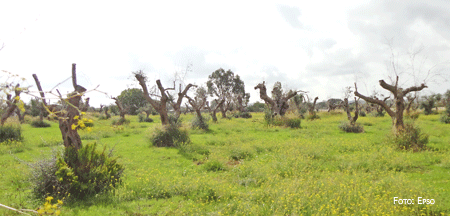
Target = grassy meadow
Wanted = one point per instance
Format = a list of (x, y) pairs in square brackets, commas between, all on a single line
[(244, 167)]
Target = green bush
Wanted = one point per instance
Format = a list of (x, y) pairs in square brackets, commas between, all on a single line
[(39, 124), (313, 116), (194, 152), (143, 118), (120, 121), (349, 128), (410, 138), (214, 166), (242, 115), (445, 119), (293, 123), (104, 117), (10, 133), (89, 124), (240, 154), (413, 115), (170, 136), (362, 113), (81, 173), (377, 114), (196, 123)]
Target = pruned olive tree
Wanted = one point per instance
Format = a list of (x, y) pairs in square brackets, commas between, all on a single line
[(12, 103), (69, 114), (198, 103), (346, 106), (398, 94), (279, 103), (215, 105), (122, 110), (161, 104)]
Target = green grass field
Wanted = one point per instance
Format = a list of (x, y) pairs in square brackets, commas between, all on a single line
[(243, 167)]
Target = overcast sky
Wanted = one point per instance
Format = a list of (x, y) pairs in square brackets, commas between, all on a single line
[(315, 46)]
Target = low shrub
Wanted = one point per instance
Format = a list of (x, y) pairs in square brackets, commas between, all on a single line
[(194, 152), (412, 115), (88, 124), (196, 123), (120, 121), (377, 114), (10, 133), (78, 174), (362, 113), (143, 118), (312, 116), (214, 166), (39, 124), (242, 115), (293, 123), (410, 138), (445, 119), (104, 117), (240, 154), (282, 121), (349, 128), (170, 136)]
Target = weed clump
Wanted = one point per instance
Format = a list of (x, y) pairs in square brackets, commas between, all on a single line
[(143, 118), (412, 115), (170, 136), (349, 128), (120, 121), (10, 133), (243, 115), (362, 113), (214, 166), (281, 121), (200, 123), (104, 117), (312, 116), (76, 174), (240, 154), (39, 124), (410, 138)]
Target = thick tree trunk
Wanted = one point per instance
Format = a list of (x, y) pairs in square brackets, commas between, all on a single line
[(70, 134)]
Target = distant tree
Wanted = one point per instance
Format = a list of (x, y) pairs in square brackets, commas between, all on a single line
[(333, 104), (429, 102), (278, 104), (198, 103), (12, 102), (122, 110), (226, 85), (133, 99), (147, 109), (445, 117), (348, 93), (215, 104), (256, 107)]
